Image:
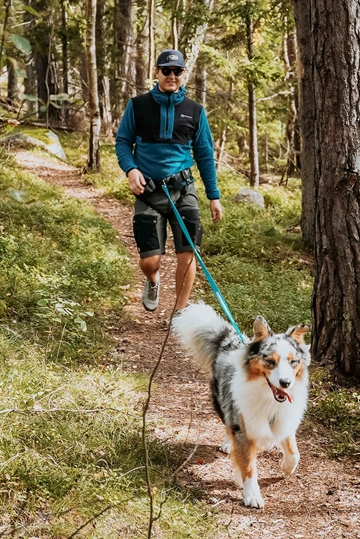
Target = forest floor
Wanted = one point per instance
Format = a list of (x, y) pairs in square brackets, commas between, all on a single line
[(322, 499)]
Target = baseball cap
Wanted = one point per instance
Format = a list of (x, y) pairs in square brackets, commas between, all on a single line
[(170, 58)]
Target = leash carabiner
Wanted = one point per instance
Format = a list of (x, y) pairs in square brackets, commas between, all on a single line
[(211, 281)]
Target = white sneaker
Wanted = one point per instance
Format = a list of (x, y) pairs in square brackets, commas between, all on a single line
[(150, 296)]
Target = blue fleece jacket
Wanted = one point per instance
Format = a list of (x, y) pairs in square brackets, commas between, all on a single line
[(159, 160)]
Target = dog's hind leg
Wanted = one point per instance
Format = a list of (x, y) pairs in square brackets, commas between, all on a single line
[(291, 456), (243, 455)]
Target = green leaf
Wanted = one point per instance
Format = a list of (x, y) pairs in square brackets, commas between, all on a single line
[(31, 10), (29, 97), (21, 73), (81, 323), (21, 43), (42, 108), (59, 97), (42, 302), (17, 195)]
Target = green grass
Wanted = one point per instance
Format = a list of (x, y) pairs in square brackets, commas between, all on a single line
[(255, 258), (70, 446), (61, 265), (70, 414), (110, 179), (335, 410)]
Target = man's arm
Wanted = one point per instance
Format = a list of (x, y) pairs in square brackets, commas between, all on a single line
[(216, 210), (204, 156), (125, 140)]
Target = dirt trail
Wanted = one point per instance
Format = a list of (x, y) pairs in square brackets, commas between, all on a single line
[(321, 500)]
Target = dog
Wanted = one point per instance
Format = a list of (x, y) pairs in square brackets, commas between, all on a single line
[(259, 388)]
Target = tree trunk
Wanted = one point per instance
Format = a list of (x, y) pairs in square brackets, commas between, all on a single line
[(141, 49), (191, 37), (41, 65), (12, 86), (7, 5), (336, 299), (102, 62), (151, 65), (175, 25), (94, 110), (253, 142), (84, 76), (289, 57), (306, 119), (64, 46), (126, 73), (200, 82), (30, 84)]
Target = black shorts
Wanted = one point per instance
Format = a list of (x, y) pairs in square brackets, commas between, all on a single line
[(150, 225)]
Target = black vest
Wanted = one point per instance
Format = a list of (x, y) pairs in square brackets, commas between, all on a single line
[(147, 120)]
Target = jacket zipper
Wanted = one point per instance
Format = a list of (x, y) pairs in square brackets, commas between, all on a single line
[(167, 116)]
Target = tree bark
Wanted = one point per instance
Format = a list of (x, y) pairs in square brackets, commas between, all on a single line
[(94, 109), (102, 62), (7, 5), (253, 141), (151, 65), (200, 82), (191, 37), (64, 46), (306, 119), (141, 39), (12, 85), (336, 68)]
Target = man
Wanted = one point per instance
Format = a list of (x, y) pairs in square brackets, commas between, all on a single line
[(157, 136)]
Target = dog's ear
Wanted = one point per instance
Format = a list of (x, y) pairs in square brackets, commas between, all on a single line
[(297, 333), (261, 329)]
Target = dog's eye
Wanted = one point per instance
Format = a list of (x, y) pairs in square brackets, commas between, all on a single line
[(294, 363), (270, 363)]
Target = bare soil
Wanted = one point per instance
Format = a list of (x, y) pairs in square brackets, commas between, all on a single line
[(322, 499)]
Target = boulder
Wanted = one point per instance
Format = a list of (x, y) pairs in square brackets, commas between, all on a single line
[(53, 145), (250, 196)]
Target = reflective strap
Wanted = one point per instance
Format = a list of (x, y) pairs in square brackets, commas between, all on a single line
[(211, 281)]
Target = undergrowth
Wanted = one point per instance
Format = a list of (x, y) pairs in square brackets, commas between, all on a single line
[(335, 410), (257, 259), (70, 414)]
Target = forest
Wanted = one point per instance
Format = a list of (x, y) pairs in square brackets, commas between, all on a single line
[(104, 430)]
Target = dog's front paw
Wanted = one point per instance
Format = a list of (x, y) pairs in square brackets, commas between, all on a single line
[(289, 464), (252, 496), (226, 445), (225, 448), (254, 501)]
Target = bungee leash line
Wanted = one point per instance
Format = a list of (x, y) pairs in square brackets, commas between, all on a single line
[(211, 281)]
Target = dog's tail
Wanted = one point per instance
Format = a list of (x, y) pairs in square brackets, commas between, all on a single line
[(204, 333)]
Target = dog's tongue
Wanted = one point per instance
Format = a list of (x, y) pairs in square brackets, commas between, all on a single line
[(281, 395)]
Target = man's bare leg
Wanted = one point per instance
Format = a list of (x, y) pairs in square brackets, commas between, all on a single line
[(150, 267), (184, 278)]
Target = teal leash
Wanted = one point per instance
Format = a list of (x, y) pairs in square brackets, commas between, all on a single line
[(211, 281)]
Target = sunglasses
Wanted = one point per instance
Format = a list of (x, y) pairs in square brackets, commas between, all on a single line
[(178, 71)]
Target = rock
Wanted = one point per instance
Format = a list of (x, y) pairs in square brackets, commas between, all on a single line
[(53, 146), (250, 196)]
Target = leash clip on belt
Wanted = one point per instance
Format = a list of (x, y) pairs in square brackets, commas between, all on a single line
[(211, 281)]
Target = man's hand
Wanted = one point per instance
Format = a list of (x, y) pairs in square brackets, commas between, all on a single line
[(136, 181), (216, 210)]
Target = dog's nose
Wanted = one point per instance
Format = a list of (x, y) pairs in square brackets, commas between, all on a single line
[(285, 382)]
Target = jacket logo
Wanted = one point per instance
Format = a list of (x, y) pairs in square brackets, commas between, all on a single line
[(185, 116)]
